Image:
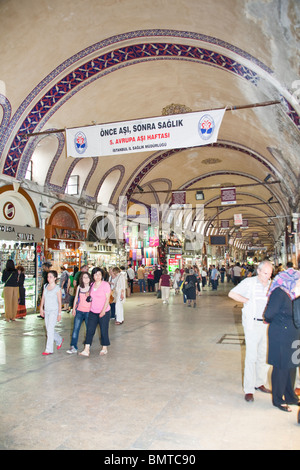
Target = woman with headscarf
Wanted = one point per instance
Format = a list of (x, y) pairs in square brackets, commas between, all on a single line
[(282, 337), (190, 288)]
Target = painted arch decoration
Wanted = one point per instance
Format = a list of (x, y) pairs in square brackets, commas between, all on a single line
[(110, 55)]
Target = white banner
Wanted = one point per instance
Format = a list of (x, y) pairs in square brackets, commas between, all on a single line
[(145, 135)]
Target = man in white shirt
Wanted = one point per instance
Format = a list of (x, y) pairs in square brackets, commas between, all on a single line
[(237, 273), (252, 292), (131, 275), (204, 277)]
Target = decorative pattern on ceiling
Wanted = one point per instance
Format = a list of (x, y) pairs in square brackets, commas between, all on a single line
[(95, 67)]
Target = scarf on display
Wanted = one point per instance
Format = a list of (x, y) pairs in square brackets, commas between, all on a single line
[(286, 280)]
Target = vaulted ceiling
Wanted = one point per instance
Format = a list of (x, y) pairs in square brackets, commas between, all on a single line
[(76, 63)]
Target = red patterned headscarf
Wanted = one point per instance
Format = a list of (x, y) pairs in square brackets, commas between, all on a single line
[(286, 280)]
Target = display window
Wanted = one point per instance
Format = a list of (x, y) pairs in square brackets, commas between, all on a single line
[(20, 240)]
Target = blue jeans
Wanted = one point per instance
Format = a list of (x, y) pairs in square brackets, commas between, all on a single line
[(79, 318), (142, 285), (113, 310), (94, 320)]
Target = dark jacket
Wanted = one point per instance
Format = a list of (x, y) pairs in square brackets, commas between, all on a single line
[(282, 331), (157, 274), (10, 278)]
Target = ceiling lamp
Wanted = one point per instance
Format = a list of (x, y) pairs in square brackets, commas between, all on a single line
[(199, 195)]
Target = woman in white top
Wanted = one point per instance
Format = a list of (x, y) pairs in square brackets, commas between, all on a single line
[(119, 294), (176, 280), (50, 308)]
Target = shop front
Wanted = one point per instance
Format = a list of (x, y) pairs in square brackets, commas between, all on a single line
[(104, 255), (64, 238), (21, 240), (174, 259), (142, 246)]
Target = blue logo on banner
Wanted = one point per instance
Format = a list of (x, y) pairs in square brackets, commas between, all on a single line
[(206, 127), (80, 142)]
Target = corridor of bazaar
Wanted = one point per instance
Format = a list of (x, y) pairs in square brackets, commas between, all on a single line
[(161, 133), (172, 380)]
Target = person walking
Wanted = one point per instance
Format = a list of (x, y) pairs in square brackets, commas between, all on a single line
[(119, 294), (46, 267), (176, 280), (99, 312), (50, 309), (81, 309), (157, 274), (190, 288), (63, 282), (214, 277), (222, 273), (10, 290), (21, 312), (150, 281), (71, 289), (131, 276), (141, 278), (252, 293), (112, 302), (183, 285), (283, 334), (204, 277), (164, 285), (237, 274), (199, 279)]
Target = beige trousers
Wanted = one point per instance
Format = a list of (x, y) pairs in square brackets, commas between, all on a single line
[(11, 297)]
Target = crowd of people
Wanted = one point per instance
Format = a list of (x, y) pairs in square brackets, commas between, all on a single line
[(94, 297), (270, 313)]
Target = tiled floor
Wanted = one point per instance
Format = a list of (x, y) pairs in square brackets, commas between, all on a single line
[(172, 381)]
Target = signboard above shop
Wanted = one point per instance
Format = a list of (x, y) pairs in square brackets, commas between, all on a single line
[(55, 232), (22, 234)]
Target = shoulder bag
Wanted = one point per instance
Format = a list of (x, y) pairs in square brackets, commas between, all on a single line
[(2, 295)]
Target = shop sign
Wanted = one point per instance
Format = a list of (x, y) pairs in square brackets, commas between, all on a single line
[(174, 251), (228, 196), (95, 247), (224, 224), (9, 210), (21, 234), (153, 242), (256, 248), (238, 219), (68, 234), (56, 245)]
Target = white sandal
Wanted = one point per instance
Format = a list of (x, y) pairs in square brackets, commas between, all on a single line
[(103, 352), (85, 352)]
